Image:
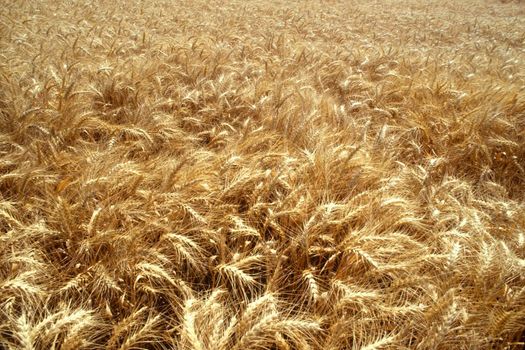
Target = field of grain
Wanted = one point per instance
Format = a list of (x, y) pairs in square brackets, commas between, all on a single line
[(238, 175)]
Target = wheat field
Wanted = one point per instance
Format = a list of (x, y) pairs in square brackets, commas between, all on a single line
[(237, 175)]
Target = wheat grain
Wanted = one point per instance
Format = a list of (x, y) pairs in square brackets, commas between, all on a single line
[(230, 175)]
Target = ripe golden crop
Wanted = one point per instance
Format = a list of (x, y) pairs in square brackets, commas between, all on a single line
[(262, 174)]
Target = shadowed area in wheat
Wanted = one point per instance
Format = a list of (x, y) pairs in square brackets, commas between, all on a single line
[(262, 175)]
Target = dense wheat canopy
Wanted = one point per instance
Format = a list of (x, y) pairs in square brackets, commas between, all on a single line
[(216, 175)]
